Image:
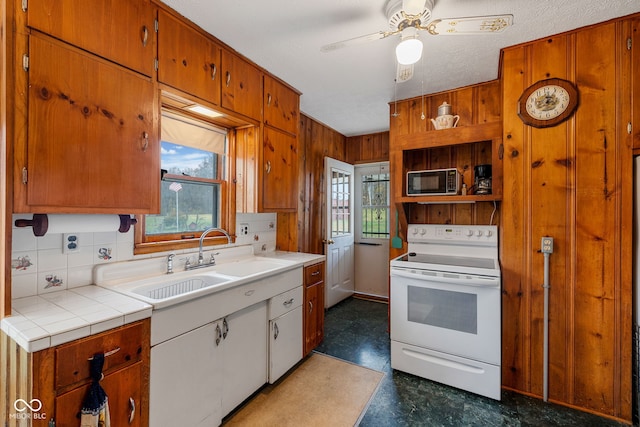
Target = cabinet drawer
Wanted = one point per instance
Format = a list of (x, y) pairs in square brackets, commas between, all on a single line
[(284, 302), (72, 360), (314, 274)]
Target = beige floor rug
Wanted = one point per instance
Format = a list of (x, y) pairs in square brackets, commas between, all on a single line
[(321, 391)]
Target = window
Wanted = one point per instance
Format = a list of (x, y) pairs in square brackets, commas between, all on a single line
[(193, 160), (373, 190)]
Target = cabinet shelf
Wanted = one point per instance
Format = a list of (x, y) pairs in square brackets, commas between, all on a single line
[(450, 199)]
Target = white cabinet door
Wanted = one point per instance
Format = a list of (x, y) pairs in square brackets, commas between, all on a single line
[(244, 351), (285, 343), (183, 386)]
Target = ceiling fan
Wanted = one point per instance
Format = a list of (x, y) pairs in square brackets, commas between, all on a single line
[(409, 17)]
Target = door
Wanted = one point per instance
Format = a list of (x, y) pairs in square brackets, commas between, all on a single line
[(339, 231), (371, 222), (285, 343)]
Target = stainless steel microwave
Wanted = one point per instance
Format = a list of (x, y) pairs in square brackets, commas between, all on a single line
[(434, 182)]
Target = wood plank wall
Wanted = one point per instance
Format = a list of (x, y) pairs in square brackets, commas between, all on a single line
[(572, 182)]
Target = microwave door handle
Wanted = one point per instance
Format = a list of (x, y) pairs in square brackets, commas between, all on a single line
[(488, 282)]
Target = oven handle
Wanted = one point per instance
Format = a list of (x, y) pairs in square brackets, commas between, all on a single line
[(488, 282)]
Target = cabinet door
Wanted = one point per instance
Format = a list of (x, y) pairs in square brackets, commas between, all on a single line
[(187, 60), (125, 36), (244, 361), (92, 142), (285, 343), (281, 106), (241, 86), (313, 317), (124, 393), (185, 383), (280, 172)]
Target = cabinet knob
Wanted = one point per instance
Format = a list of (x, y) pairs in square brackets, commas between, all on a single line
[(228, 78), (310, 306), (268, 166), (268, 100), (145, 141)]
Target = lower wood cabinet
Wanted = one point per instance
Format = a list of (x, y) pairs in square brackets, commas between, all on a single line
[(61, 377), (314, 306)]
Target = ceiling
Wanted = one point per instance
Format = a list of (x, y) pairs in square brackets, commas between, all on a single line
[(350, 89)]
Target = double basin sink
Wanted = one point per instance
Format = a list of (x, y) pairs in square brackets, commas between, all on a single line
[(169, 289)]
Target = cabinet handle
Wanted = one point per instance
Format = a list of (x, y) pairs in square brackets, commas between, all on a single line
[(288, 302), (214, 70), (228, 78), (132, 413), (108, 353), (145, 35), (276, 331), (315, 273), (218, 335), (268, 100), (145, 141), (268, 166), (225, 328), (310, 306)]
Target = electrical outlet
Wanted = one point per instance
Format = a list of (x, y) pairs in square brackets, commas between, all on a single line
[(244, 229), (547, 245), (70, 243)]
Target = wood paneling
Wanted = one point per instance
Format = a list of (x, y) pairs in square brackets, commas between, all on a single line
[(368, 148), (571, 182)]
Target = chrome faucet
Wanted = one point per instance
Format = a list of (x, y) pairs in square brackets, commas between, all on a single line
[(212, 261)]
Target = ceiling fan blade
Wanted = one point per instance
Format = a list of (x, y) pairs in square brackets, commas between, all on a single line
[(413, 7), (357, 40), (404, 73), (470, 25)]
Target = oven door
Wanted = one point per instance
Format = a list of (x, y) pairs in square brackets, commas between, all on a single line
[(456, 314)]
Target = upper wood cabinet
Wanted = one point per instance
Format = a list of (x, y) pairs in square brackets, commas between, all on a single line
[(119, 30), (281, 105), (280, 171), (187, 59), (241, 86), (92, 144)]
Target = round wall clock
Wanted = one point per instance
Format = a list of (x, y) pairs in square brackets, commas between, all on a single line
[(547, 102)]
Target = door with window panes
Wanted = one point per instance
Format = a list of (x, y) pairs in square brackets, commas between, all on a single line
[(371, 249), (339, 233)]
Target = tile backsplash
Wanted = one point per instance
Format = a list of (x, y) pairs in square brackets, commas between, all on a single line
[(40, 265)]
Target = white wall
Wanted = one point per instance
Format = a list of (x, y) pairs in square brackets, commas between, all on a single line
[(39, 265)]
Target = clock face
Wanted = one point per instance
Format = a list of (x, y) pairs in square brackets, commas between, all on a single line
[(547, 102)]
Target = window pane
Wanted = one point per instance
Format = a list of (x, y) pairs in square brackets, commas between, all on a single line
[(186, 207), (340, 208), (375, 206)]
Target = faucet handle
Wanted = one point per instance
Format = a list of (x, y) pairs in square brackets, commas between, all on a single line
[(187, 263), (212, 260)]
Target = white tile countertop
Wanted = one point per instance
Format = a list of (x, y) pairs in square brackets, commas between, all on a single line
[(47, 320)]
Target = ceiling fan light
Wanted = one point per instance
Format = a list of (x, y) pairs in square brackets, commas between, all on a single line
[(409, 51)]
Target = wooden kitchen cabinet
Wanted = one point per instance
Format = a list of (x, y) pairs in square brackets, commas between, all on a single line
[(119, 30), (314, 306), (241, 86), (61, 376), (279, 174), (92, 144), (187, 59), (281, 106)]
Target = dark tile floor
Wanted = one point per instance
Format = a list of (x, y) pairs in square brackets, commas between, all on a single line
[(356, 331)]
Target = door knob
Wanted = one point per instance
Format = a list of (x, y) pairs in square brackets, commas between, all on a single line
[(328, 242)]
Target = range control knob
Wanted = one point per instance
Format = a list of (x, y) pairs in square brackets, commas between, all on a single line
[(414, 230), (469, 233), (423, 231), (479, 233), (488, 233)]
